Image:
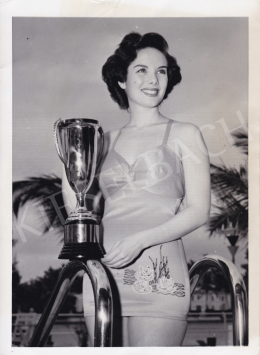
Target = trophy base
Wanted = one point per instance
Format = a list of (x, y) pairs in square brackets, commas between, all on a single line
[(80, 240), (81, 251), (80, 231)]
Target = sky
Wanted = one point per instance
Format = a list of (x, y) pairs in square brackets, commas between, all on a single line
[(57, 74)]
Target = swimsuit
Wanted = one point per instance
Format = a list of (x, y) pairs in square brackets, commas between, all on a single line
[(138, 197)]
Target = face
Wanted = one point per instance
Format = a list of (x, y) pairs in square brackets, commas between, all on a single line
[(147, 79)]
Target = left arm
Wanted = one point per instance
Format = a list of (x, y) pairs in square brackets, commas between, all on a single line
[(197, 185)]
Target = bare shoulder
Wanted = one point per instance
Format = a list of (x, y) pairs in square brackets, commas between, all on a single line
[(186, 139), (184, 131)]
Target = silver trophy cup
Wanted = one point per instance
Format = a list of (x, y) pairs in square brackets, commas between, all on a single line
[(79, 143)]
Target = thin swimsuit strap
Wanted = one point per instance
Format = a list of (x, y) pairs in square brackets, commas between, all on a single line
[(167, 132), (165, 138), (116, 139)]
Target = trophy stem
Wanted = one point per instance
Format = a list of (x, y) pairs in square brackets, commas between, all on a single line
[(80, 201), (81, 211)]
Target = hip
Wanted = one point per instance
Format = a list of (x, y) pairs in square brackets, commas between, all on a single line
[(160, 269)]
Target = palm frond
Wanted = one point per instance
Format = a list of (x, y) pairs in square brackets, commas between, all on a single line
[(231, 211), (241, 140), (39, 189), (231, 189), (226, 181)]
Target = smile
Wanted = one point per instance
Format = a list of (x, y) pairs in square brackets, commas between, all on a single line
[(150, 92)]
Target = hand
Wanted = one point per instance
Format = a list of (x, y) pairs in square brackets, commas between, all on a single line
[(124, 251)]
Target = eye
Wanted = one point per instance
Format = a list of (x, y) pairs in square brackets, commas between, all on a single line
[(142, 70), (162, 71)]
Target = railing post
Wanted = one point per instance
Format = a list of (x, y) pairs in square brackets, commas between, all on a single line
[(237, 290), (103, 302)]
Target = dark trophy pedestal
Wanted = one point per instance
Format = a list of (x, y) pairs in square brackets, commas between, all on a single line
[(80, 240)]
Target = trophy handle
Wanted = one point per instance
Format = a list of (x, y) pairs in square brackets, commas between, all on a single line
[(55, 128), (100, 130)]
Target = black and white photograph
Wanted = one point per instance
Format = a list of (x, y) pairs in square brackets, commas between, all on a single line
[(130, 180)]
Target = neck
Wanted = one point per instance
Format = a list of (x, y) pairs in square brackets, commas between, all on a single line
[(144, 117)]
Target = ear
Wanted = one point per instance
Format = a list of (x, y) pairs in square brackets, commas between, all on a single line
[(122, 85)]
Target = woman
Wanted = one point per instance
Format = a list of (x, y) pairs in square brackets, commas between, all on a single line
[(156, 186)]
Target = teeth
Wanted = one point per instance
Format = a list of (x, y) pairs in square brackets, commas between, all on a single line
[(150, 91)]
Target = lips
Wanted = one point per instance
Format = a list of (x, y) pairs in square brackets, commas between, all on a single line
[(150, 92)]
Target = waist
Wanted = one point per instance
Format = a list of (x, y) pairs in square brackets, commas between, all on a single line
[(143, 206)]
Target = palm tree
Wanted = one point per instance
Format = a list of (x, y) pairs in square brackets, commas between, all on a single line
[(230, 187), (40, 189)]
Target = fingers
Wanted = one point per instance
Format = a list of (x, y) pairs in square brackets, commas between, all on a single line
[(118, 264), (116, 259), (110, 256), (121, 254)]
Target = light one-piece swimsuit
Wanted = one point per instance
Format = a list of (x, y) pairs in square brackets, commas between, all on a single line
[(138, 197)]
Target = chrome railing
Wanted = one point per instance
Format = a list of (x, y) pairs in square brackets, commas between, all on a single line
[(103, 302), (103, 298), (237, 289)]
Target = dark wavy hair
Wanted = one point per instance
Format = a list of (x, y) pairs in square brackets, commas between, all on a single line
[(115, 68)]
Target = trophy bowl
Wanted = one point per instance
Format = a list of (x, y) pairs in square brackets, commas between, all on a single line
[(79, 143)]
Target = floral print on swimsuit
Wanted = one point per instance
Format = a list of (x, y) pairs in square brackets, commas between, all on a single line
[(147, 279)]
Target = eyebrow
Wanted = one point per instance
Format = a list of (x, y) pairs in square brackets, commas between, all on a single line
[(140, 65), (145, 66)]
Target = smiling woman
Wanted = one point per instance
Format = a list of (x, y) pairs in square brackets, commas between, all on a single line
[(116, 69), (155, 181), (149, 79)]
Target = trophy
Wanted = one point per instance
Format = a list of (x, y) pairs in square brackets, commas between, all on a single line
[(79, 143)]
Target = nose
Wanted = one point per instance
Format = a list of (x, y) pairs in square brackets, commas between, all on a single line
[(152, 79)]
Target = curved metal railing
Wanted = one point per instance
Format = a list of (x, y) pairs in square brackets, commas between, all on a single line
[(103, 298), (237, 289), (103, 302)]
